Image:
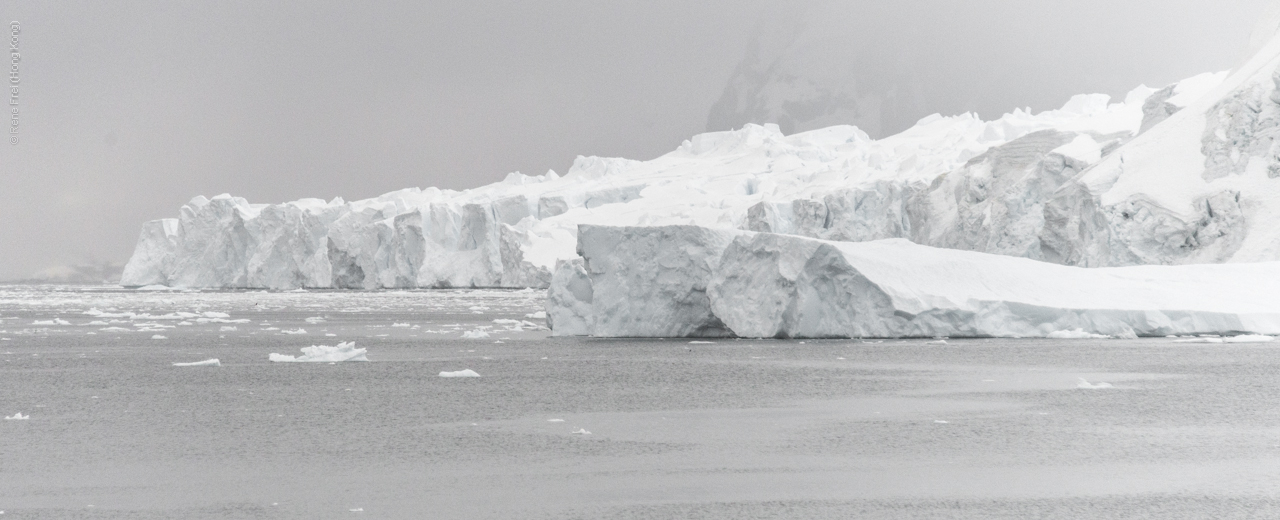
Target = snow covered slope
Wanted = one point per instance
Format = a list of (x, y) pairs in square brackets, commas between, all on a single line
[(954, 182), (771, 285), (1201, 186)]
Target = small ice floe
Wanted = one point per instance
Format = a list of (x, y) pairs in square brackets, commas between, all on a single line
[(1075, 334), (402, 325), (228, 328), (330, 335), (940, 421), (936, 342), (1246, 338), (115, 329), (55, 321), (701, 342), (356, 509), (215, 315), (1249, 338), (581, 431), (206, 363), (324, 354), (17, 417), (157, 336), (555, 420), (294, 331), (460, 373), (475, 334), (315, 319), (1084, 383), (540, 315)]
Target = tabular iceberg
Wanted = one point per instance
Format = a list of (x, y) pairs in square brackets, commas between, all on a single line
[(784, 286)]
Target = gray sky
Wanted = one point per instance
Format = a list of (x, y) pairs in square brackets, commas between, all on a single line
[(130, 108)]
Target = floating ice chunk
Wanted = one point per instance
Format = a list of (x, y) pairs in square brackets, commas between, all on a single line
[(206, 363), (1092, 386), (701, 342), (555, 420), (17, 417), (940, 421), (213, 314), (540, 315), (55, 321), (294, 331), (401, 325), (324, 354), (157, 336), (1075, 334), (314, 320), (227, 328), (1249, 338), (1199, 340), (475, 334), (936, 342), (460, 373), (582, 431)]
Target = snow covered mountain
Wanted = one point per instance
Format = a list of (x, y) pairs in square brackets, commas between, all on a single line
[(1184, 174)]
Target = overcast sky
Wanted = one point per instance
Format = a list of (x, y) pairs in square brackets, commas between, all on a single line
[(130, 108)]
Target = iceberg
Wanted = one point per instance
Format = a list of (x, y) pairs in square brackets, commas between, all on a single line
[(766, 285), (206, 363), (17, 417), (1026, 184), (324, 354), (460, 373)]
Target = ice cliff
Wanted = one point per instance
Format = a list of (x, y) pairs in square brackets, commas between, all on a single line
[(693, 281), (1183, 174)]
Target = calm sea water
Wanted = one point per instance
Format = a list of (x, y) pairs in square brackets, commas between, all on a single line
[(580, 428)]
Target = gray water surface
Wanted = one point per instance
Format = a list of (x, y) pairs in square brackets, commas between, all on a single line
[(728, 429)]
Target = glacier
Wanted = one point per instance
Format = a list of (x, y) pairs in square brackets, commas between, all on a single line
[(707, 282), (999, 186), (1142, 216)]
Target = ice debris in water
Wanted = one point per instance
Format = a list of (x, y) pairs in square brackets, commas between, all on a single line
[(401, 325), (294, 331), (227, 328), (1075, 334), (55, 321), (582, 431), (475, 334), (314, 320), (17, 417), (346, 351), (460, 373), (1246, 338), (157, 336), (206, 363), (540, 315), (1084, 383)]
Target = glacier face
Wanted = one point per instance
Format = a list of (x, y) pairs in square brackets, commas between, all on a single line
[(1185, 174), (786, 286)]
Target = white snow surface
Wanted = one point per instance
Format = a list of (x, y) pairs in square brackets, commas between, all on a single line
[(694, 282), (324, 354), (1011, 186)]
